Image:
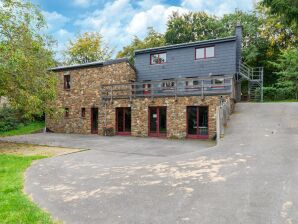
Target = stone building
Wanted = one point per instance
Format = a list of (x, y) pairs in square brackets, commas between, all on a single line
[(171, 91)]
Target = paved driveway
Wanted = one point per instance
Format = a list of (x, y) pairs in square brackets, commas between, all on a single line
[(250, 177)]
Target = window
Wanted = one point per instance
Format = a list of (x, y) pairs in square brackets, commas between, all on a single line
[(204, 52), (192, 83), (146, 88), (66, 81), (83, 112), (168, 83), (158, 58), (66, 112), (218, 82)]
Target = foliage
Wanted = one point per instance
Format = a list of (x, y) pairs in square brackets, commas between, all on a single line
[(88, 47), (15, 207), (24, 128), (192, 27), (8, 119), (153, 39), (287, 65), (25, 58), (286, 9)]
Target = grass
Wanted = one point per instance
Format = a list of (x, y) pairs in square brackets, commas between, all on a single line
[(25, 129), (281, 101), (15, 206)]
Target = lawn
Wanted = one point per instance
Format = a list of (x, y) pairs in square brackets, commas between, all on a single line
[(25, 129), (15, 207), (15, 158)]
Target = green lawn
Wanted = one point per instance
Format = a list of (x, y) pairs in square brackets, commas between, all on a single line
[(15, 206), (25, 129)]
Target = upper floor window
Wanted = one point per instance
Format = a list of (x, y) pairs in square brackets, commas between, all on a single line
[(147, 87), (158, 58), (204, 52), (218, 82), (66, 81), (168, 83)]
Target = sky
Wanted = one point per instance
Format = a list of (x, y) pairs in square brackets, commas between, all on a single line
[(120, 20)]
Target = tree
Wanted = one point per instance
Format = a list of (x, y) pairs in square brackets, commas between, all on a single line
[(88, 47), (153, 39), (286, 9), (25, 58), (287, 65), (192, 27)]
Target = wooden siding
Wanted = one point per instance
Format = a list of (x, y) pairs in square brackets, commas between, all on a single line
[(181, 63)]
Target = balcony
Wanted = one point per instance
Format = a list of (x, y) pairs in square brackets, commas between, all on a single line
[(197, 86)]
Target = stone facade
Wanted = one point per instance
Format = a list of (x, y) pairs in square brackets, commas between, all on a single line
[(84, 93), (176, 114)]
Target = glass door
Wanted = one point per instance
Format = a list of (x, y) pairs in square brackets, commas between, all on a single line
[(157, 121), (123, 120), (197, 122)]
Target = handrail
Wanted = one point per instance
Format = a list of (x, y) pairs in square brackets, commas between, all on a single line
[(177, 87)]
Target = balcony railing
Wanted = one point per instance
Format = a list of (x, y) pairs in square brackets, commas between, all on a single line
[(174, 87)]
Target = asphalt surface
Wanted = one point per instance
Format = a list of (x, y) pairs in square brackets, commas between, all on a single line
[(249, 177)]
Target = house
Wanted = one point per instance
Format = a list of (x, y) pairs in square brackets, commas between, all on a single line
[(171, 91)]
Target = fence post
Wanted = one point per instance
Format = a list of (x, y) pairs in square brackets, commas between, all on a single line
[(217, 124)]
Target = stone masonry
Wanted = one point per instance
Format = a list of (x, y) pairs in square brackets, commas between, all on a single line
[(84, 93), (176, 114)]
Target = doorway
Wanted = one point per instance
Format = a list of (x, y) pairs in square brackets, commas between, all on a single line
[(157, 121), (123, 121), (94, 120), (197, 122)]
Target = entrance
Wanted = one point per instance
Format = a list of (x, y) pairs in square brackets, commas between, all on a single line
[(197, 122), (94, 120), (157, 121), (123, 120)]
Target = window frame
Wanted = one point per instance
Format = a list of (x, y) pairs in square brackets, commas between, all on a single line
[(214, 85), (83, 112), (65, 77), (205, 56), (158, 59)]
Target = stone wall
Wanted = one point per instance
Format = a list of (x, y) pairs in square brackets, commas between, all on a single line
[(84, 93), (176, 114)]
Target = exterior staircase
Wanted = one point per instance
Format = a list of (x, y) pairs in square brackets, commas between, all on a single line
[(254, 76)]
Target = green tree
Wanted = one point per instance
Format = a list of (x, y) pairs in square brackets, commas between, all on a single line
[(153, 39), (287, 66), (25, 58), (192, 27), (286, 9), (88, 47)]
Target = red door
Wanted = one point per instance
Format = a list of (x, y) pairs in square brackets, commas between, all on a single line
[(123, 121), (197, 122), (157, 122)]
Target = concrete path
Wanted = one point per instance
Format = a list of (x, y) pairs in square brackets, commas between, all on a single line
[(250, 177)]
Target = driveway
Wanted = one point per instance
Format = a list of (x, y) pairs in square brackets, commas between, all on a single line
[(249, 177)]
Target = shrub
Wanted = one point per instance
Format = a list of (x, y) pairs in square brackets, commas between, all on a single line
[(10, 119), (277, 94)]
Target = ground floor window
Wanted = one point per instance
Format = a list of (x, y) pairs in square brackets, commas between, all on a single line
[(123, 120), (197, 122), (157, 121)]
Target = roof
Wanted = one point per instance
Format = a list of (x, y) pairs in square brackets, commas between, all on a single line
[(184, 45), (90, 65)]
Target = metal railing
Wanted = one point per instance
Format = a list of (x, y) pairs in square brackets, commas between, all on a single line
[(175, 87)]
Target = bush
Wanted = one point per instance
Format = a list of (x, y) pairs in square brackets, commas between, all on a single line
[(278, 94), (10, 119)]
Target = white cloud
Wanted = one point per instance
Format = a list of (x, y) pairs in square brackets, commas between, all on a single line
[(217, 7), (54, 20), (156, 17), (62, 36), (83, 3)]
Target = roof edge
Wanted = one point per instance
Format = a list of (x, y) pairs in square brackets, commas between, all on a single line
[(184, 45), (91, 64)]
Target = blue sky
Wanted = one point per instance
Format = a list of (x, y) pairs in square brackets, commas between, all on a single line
[(119, 20)]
